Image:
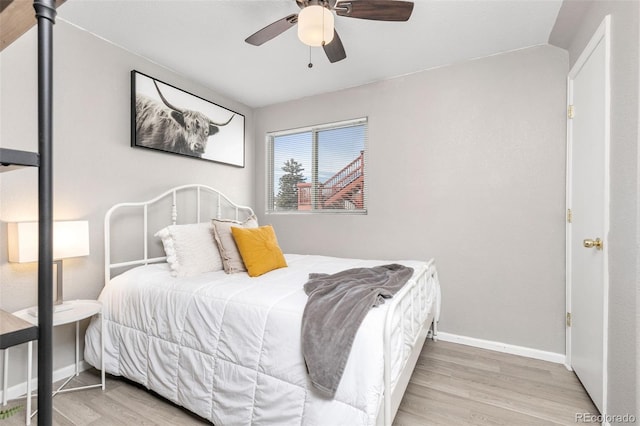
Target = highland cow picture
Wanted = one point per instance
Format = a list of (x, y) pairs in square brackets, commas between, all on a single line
[(168, 119)]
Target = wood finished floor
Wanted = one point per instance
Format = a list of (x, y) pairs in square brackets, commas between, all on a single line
[(451, 385)]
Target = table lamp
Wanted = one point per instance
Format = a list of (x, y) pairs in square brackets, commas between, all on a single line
[(70, 239)]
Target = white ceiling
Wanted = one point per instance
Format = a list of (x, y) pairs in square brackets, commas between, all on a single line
[(203, 40)]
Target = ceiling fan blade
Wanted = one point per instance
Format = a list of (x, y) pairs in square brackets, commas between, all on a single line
[(335, 50), (378, 10), (272, 30)]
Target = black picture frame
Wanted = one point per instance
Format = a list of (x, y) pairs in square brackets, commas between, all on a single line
[(166, 118)]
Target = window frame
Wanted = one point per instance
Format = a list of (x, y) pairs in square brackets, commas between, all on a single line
[(314, 129)]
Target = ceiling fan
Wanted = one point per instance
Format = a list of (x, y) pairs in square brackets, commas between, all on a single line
[(316, 22)]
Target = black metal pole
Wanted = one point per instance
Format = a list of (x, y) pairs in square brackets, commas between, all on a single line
[(45, 14)]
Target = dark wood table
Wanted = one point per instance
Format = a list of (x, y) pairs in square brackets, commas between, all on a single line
[(14, 330)]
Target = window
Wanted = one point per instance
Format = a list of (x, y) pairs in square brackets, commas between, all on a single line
[(318, 169)]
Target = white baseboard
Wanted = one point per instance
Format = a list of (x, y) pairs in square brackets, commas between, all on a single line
[(502, 347), (20, 389)]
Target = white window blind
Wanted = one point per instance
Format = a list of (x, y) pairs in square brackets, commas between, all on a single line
[(318, 169)]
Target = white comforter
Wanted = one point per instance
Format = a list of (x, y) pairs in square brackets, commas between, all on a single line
[(227, 347)]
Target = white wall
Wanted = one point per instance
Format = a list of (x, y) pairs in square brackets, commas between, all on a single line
[(625, 184), (94, 165), (466, 164)]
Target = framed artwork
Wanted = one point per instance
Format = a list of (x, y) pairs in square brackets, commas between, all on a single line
[(165, 118)]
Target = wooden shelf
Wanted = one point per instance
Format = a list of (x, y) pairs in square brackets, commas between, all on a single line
[(14, 330), (11, 159)]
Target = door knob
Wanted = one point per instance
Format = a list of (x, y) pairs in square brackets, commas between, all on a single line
[(589, 243)]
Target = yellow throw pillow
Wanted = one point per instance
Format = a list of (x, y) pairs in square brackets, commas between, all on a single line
[(259, 249)]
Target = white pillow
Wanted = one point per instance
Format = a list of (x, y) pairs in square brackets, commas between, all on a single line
[(231, 259), (190, 249)]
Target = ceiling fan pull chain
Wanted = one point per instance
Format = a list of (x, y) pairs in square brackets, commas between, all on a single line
[(310, 63)]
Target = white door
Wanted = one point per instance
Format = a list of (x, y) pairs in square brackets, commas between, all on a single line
[(588, 204)]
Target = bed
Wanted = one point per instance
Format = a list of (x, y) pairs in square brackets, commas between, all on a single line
[(227, 346)]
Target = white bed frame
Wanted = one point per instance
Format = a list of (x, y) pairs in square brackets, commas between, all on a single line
[(424, 308)]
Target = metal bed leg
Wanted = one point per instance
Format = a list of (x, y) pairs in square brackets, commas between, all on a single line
[(102, 373)]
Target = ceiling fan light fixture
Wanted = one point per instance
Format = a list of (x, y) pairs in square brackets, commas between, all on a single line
[(315, 25)]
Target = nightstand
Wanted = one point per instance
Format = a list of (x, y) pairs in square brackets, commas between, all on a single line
[(72, 311)]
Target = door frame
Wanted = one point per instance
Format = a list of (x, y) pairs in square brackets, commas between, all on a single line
[(602, 35)]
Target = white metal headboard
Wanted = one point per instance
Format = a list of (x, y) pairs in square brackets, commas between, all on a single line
[(143, 207)]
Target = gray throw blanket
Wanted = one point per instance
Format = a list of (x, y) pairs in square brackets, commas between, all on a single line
[(335, 309)]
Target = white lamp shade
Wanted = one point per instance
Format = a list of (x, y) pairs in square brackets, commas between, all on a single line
[(315, 25), (70, 239)]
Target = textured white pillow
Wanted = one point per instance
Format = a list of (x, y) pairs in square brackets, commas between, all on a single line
[(231, 259), (190, 249)]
